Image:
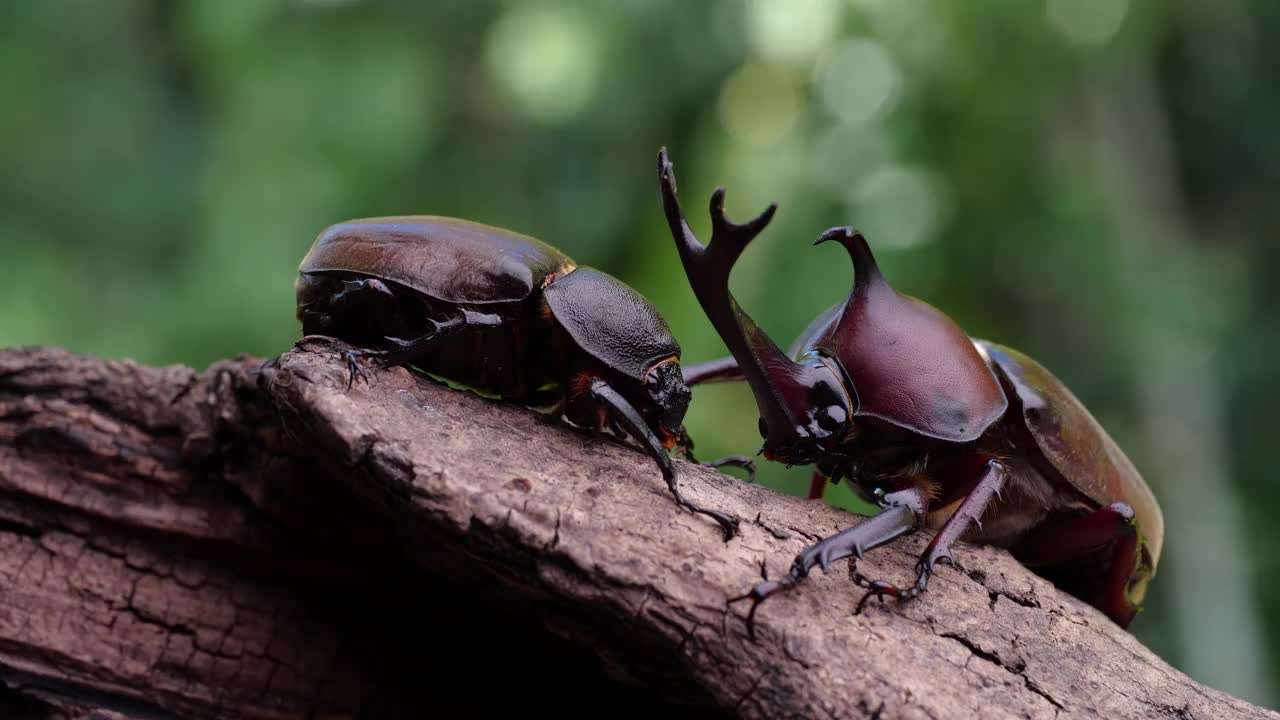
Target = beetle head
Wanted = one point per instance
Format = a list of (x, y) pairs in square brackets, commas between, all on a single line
[(814, 415), (669, 394)]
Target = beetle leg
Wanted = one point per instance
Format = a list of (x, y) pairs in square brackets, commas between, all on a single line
[(352, 289), (939, 548), (405, 352), (684, 445), (351, 358), (1076, 539), (1125, 572), (739, 461), (636, 427), (901, 514), (817, 485), (724, 369), (1074, 552)]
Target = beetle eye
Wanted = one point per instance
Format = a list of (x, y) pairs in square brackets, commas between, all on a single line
[(832, 418)]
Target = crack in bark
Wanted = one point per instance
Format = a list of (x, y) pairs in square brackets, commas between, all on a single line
[(1017, 669)]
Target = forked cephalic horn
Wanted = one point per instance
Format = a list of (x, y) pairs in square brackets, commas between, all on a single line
[(781, 386)]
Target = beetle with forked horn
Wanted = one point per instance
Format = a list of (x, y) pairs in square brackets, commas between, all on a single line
[(964, 436)]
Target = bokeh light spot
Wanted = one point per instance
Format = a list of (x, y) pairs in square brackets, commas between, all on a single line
[(792, 32), (1087, 22), (857, 80), (900, 206), (545, 57), (844, 154), (759, 104)]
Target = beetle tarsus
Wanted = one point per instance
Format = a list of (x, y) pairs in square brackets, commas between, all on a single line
[(404, 352), (739, 461), (939, 548), (352, 360), (684, 446), (761, 592), (757, 595), (878, 589), (728, 523), (625, 414), (897, 518)]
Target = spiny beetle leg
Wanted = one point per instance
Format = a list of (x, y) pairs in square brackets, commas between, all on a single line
[(360, 289), (349, 357), (1078, 538), (1106, 537), (625, 414), (891, 522), (939, 548), (899, 516), (406, 352)]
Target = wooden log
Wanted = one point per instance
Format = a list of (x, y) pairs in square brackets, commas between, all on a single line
[(260, 542)]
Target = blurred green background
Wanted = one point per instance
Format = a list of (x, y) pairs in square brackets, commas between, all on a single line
[(1092, 181)]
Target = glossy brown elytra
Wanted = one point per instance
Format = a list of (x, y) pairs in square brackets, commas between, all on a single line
[(972, 439), (507, 315)]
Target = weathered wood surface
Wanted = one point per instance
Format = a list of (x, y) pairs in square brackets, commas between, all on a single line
[(263, 543)]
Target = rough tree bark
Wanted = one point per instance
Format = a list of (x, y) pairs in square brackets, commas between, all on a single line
[(263, 543)]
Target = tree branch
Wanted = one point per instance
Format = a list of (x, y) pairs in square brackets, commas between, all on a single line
[(246, 543)]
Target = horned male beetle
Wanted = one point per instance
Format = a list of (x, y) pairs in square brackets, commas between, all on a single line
[(507, 315), (967, 437)]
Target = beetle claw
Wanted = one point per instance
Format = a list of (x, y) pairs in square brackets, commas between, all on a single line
[(877, 589), (351, 358), (758, 594), (728, 523)]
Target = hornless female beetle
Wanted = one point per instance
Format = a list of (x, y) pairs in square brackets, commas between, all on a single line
[(508, 315), (931, 426)]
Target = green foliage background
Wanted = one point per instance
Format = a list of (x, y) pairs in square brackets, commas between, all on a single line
[(1092, 181)]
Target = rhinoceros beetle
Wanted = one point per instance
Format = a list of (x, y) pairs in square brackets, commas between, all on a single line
[(967, 437), (508, 315)]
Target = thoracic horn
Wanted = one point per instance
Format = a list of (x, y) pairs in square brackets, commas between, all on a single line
[(884, 337)]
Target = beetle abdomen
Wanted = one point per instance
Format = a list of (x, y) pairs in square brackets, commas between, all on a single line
[(1073, 441), (446, 258)]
